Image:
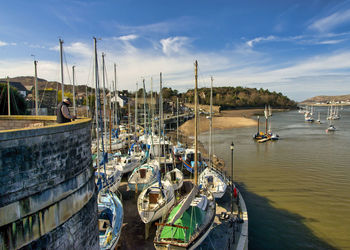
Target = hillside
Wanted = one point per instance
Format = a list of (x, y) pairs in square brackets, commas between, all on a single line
[(326, 99), (28, 83), (237, 97)]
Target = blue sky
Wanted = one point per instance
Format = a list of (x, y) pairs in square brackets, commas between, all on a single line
[(299, 48)]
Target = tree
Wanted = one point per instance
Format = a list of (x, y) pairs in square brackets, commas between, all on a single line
[(66, 94), (18, 105)]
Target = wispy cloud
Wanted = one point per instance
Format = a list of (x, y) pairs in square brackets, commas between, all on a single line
[(174, 25), (126, 38), (331, 21), (173, 45), (2, 43), (79, 49), (251, 43)]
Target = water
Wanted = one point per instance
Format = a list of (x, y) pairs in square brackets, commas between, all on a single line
[(297, 189)]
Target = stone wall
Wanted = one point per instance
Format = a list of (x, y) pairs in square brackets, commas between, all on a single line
[(47, 188), (22, 121)]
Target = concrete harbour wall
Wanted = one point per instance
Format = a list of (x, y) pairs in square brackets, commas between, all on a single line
[(47, 188)]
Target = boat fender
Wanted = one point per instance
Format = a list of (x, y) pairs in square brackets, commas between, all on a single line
[(235, 192), (109, 237)]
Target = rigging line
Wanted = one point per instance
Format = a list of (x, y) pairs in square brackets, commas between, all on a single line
[(65, 60), (42, 96), (90, 70), (12, 94)]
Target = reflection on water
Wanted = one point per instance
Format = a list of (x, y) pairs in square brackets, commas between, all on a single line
[(297, 189)]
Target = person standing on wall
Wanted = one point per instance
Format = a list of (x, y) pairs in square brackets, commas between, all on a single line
[(63, 114)]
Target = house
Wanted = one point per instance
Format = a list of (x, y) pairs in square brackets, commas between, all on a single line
[(19, 86), (121, 99)]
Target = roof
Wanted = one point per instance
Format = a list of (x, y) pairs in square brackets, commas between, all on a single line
[(19, 86)]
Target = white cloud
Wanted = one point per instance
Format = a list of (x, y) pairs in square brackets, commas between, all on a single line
[(2, 43), (76, 49), (251, 43), (126, 38), (173, 45), (229, 67), (331, 21)]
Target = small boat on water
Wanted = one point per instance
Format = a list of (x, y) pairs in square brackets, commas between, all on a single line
[(214, 181), (264, 140), (175, 177), (331, 128), (155, 201), (143, 176), (110, 219)]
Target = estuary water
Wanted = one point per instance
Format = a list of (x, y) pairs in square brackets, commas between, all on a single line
[(297, 189)]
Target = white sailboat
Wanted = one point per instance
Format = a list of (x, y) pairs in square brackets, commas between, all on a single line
[(155, 201), (143, 176), (110, 219), (175, 177), (212, 179)]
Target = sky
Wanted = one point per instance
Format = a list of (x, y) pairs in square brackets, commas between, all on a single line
[(299, 48)]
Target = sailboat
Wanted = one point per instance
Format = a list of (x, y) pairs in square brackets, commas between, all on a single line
[(188, 160), (143, 176), (175, 177), (319, 118), (110, 219), (189, 222), (211, 178), (155, 200)]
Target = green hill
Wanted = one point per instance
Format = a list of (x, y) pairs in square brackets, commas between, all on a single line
[(239, 97)]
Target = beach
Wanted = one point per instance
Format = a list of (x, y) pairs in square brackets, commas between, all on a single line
[(226, 119)]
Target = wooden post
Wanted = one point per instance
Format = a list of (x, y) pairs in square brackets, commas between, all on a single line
[(8, 97), (195, 125), (62, 78), (36, 88), (110, 131)]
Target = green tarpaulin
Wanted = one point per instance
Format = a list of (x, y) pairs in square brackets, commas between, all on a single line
[(191, 218)]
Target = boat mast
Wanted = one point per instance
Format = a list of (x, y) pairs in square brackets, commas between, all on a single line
[(96, 108), (129, 123), (36, 87), (74, 107), (211, 123), (177, 120), (136, 111), (87, 101), (258, 124), (266, 118), (104, 99), (61, 56), (8, 97), (116, 96), (152, 113), (159, 117), (144, 108), (152, 107), (195, 124)]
